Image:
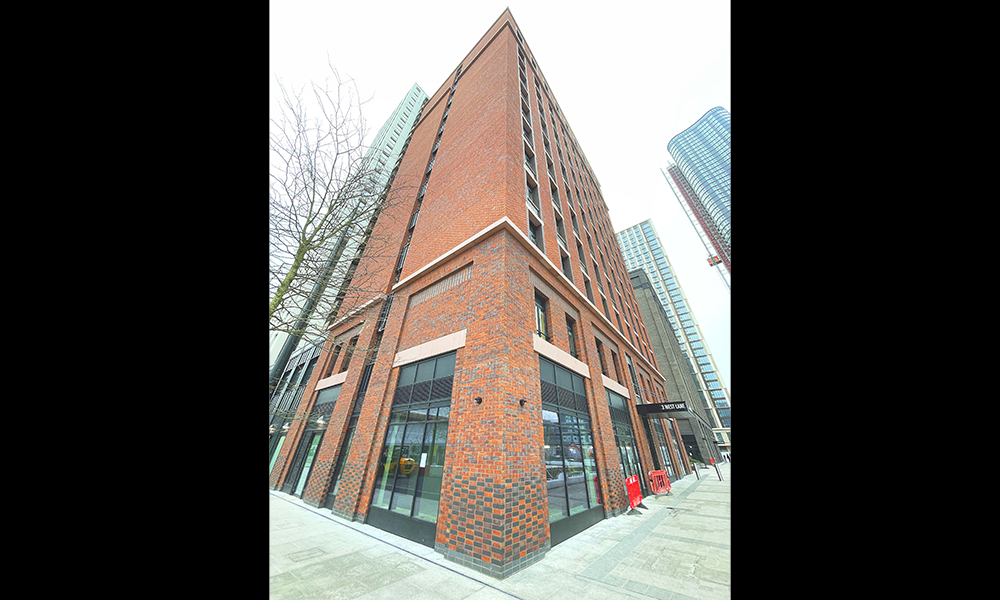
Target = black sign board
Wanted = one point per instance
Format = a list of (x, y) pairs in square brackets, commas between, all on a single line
[(663, 407)]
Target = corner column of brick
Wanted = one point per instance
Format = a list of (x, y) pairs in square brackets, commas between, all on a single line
[(494, 511), (326, 456)]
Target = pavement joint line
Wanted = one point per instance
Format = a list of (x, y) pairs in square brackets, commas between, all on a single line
[(603, 566), (620, 590), (330, 518), (678, 538)]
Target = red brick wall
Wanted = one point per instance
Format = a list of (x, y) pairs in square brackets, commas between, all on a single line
[(494, 507)]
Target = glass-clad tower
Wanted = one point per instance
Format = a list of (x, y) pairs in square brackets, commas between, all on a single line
[(641, 249), (702, 153)]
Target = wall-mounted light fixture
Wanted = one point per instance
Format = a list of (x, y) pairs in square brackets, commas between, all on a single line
[(523, 401), (285, 426), (478, 400)]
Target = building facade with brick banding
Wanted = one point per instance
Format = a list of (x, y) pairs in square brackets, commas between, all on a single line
[(488, 405)]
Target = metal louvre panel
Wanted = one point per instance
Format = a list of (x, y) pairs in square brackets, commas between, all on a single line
[(402, 395), (441, 388), (421, 392), (548, 393), (619, 415), (566, 398), (581, 404)]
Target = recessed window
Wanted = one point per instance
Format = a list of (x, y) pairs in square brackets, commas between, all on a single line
[(571, 334), (541, 320), (567, 267), (349, 353), (535, 232), (333, 361), (600, 355)]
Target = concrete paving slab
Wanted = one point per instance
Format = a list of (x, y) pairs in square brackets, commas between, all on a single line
[(678, 548)]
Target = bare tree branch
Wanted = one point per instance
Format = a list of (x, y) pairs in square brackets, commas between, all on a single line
[(325, 192)]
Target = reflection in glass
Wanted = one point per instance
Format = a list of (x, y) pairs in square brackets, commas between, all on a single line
[(406, 469), (576, 486), (304, 475), (570, 464), (387, 466), (590, 468), (555, 473), (431, 467)]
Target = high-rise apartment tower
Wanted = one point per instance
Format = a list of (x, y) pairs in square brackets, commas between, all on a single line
[(483, 402), (701, 179), (641, 249)]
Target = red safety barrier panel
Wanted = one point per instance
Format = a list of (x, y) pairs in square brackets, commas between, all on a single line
[(659, 482), (634, 493)]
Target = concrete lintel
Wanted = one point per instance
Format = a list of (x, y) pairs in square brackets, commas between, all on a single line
[(560, 356), (331, 381), (447, 343), (614, 386)]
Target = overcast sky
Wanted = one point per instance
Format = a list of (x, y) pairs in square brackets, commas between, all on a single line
[(628, 77)]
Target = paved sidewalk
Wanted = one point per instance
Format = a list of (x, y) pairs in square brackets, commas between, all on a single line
[(678, 548)]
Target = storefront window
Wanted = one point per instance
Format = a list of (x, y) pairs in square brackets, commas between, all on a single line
[(412, 465), (570, 463)]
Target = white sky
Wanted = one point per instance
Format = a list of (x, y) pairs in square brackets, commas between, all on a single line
[(657, 65)]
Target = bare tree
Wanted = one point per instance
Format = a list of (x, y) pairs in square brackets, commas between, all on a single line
[(325, 193)]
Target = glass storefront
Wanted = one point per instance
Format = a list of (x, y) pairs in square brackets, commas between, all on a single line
[(411, 468), (661, 440), (315, 426), (570, 462), (625, 437)]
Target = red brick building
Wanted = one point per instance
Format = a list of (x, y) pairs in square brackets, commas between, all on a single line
[(492, 413)]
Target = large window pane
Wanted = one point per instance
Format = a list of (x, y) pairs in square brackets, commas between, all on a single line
[(407, 374), (425, 371), (430, 466), (304, 475), (387, 466), (554, 472), (576, 485), (406, 469), (412, 464), (590, 467), (445, 366)]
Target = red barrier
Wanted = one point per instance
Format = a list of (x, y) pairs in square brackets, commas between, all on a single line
[(634, 493), (659, 482)]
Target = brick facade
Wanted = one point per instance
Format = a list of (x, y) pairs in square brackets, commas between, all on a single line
[(471, 268)]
